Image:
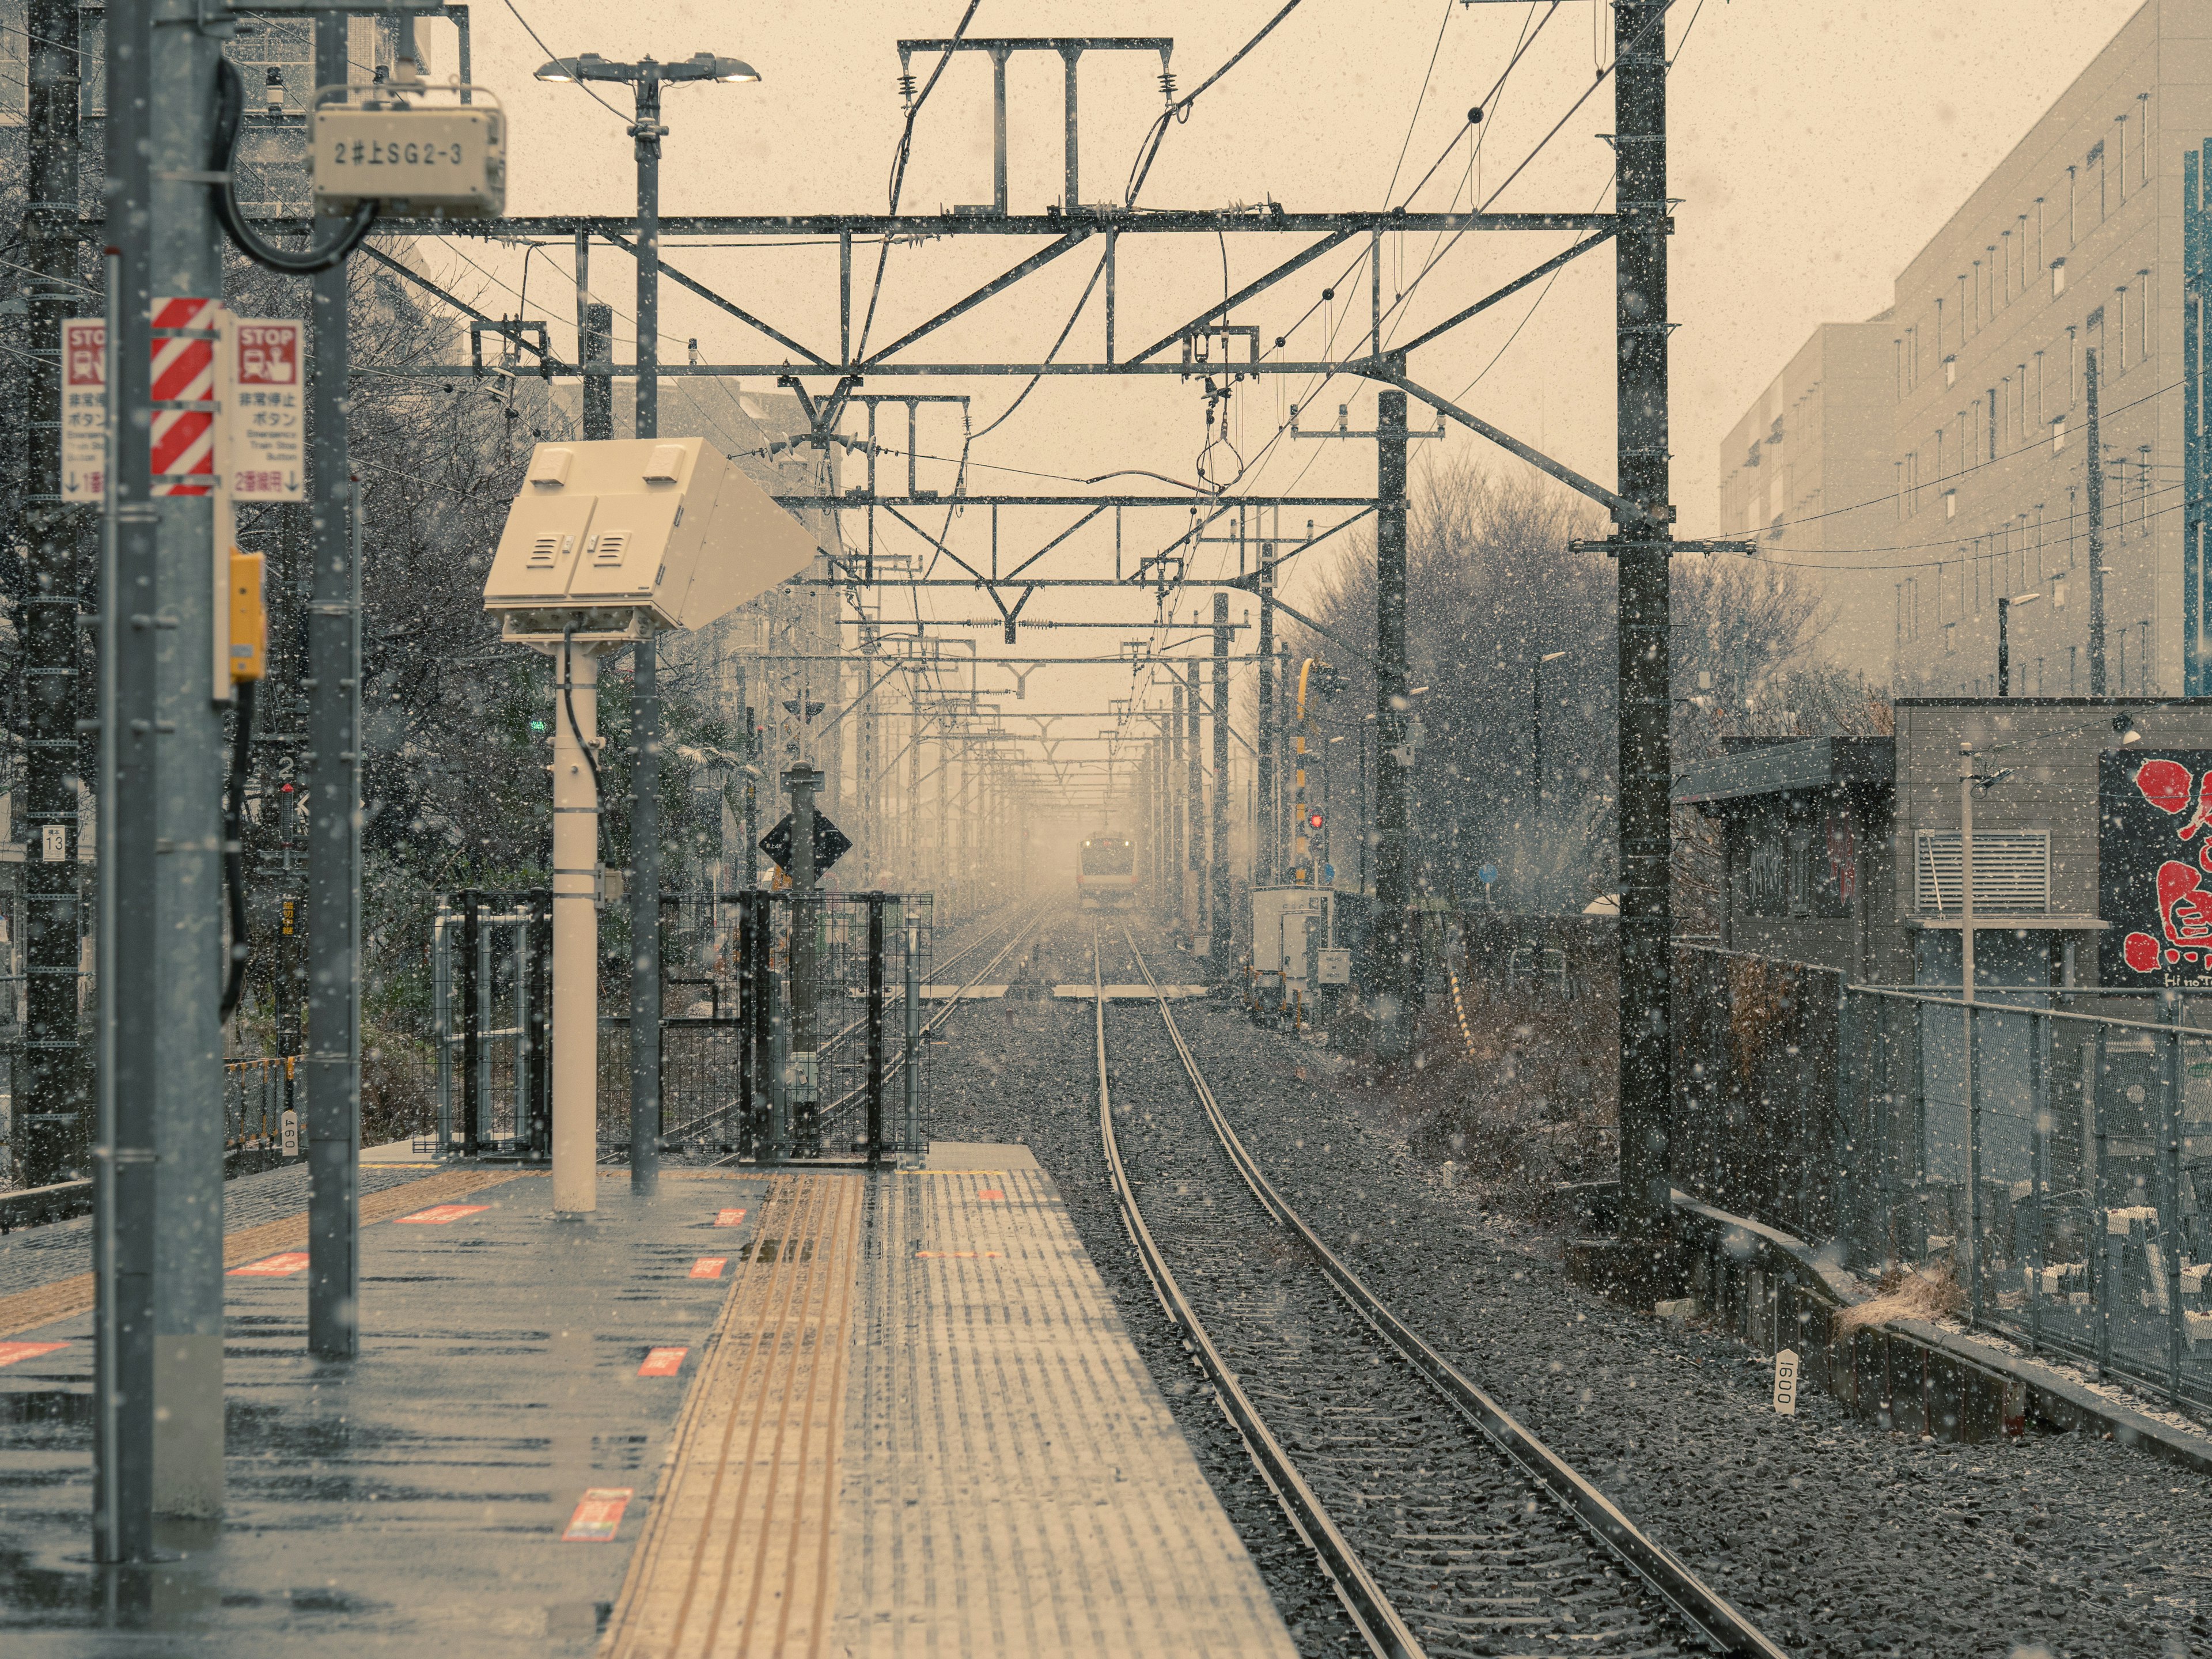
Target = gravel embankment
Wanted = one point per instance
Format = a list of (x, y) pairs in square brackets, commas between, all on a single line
[(1834, 1535)]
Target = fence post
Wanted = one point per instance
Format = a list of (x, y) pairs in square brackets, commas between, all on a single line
[(875, 1031), (2169, 1196), (1973, 1032), (910, 1141), (522, 1024), (2038, 1099), (471, 1025), (2100, 1254), (1851, 1095), (442, 1019), (480, 1000), (748, 992)]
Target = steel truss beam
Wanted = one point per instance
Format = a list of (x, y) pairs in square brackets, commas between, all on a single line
[(928, 227)]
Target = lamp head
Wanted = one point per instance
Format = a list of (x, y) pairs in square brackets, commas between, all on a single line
[(2124, 724)]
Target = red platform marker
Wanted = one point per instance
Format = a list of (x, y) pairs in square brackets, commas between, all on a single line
[(12, 1352), (992, 1196), (729, 1218), (957, 1255), (710, 1267), (663, 1362), (598, 1516), (273, 1267), (439, 1214)]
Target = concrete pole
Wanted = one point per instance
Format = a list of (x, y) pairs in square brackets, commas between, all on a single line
[(333, 1061), (1645, 759), (576, 932), (187, 783), (1176, 883), (1393, 948)]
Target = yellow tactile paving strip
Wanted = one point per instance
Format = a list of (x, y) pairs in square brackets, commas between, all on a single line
[(739, 1554), (67, 1298)]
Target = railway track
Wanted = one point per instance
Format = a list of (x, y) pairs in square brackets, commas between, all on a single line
[(1445, 1525)]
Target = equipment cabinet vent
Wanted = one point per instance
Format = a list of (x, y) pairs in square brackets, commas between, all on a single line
[(2012, 872), (612, 545)]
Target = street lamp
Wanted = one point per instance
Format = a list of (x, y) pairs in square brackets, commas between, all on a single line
[(2004, 639), (644, 79)]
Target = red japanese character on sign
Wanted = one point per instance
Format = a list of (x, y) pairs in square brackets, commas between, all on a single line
[(2184, 905)]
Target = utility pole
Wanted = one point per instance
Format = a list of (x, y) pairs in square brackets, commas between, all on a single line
[(2096, 481), (127, 1196), (1194, 798), (1176, 809), (179, 1068), (1392, 958), (1266, 863), (1645, 759), (804, 1090), (645, 686), (53, 1122), (332, 1060), (597, 347), (752, 753), (1221, 925)]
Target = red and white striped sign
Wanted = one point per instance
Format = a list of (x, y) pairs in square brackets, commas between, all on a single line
[(183, 461)]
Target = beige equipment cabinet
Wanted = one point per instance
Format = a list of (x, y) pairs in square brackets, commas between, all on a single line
[(609, 538)]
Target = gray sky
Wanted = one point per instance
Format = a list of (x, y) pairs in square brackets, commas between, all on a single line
[(1815, 148)]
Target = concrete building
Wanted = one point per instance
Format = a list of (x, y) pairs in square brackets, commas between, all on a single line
[(2074, 247)]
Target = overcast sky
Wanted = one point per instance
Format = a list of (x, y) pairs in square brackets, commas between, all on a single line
[(1814, 148)]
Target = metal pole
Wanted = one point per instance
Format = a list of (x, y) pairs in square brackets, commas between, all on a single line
[(1646, 757), (1969, 1033), (2095, 481), (748, 989), (648, 131), (803, 780), (1175, 874), (1392, 947), (1266, 863), (471, 1025), (123, 1171), (2038, 1099), (1070, 56), (2100, 1252), (480, 999), (875, 1031), (1535, 752), (332, 1067), (598, 383), (910, 1142), (53, 1128), (645, 989), (752, 801), (1193, 787), (2004, 647), (575, 932), (2171, 1236), (1220, 930)]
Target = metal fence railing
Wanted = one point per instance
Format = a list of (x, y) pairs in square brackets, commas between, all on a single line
[(2050, 1147)]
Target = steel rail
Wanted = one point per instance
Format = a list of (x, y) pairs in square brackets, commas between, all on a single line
[(1696, 1602), (1378, 1622)]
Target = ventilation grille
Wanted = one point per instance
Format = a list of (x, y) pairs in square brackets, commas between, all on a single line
[(543, 551), (2012, 871), (613, 545)]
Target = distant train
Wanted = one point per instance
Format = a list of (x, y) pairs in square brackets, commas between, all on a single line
[(1106, 872)]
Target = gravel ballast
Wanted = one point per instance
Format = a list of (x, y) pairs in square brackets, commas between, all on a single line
[(1836, 1536)]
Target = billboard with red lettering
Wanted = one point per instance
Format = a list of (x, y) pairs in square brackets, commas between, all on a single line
[(2154, 868)]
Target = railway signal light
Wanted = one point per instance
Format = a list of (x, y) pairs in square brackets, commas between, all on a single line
[(1313, 820)]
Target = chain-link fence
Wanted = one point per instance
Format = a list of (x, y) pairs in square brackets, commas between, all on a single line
[(2049, 1149)]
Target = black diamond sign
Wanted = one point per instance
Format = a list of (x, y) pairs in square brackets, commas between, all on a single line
[(831, 843)]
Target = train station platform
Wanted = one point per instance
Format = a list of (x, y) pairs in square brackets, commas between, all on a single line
[(802, 1412)]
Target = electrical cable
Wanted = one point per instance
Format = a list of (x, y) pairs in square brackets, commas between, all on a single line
[(229, 109), (1180, 110), (583, 87), (568, 704), (233, 849)]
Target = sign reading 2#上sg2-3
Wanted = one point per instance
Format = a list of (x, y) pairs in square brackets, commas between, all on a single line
[(2154, 868), (268, 449)]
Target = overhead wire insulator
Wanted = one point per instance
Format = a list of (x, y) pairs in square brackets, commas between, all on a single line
[(1167, 85), (906, 87)]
